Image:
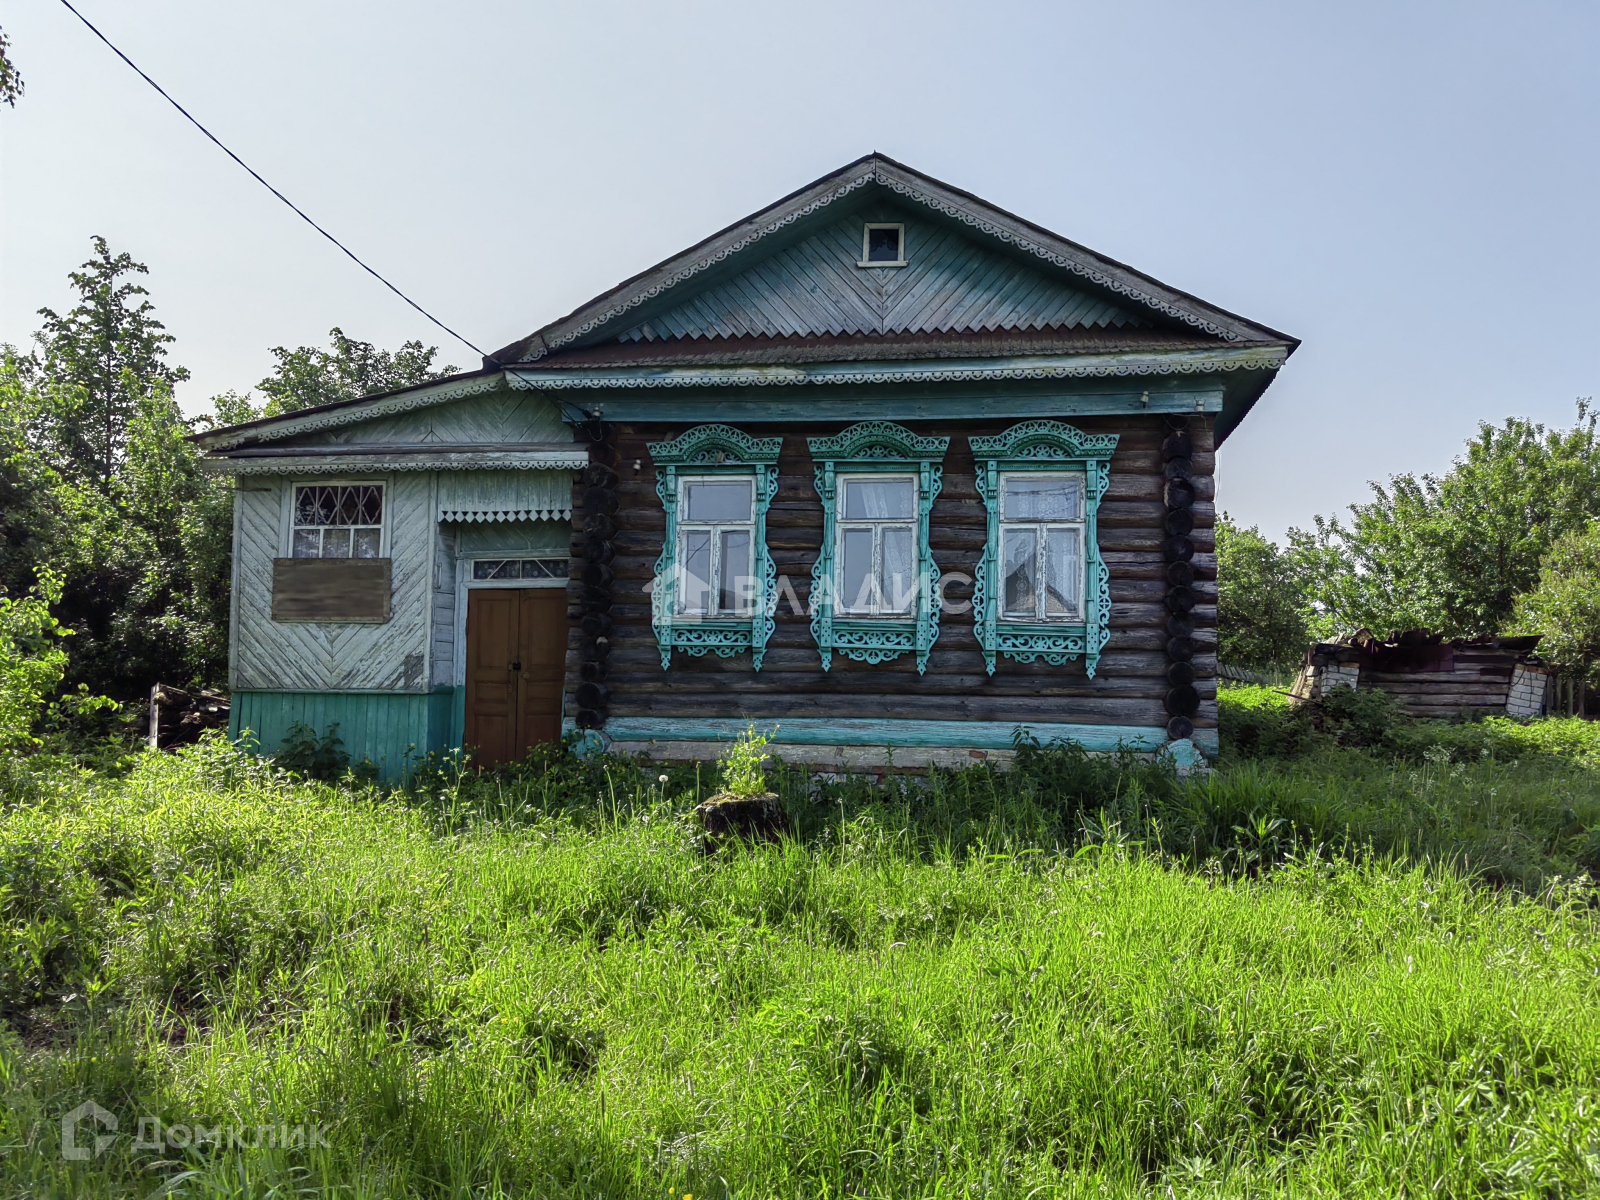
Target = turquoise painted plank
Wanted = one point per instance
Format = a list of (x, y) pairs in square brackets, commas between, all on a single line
[(386, 728), (823, 731)]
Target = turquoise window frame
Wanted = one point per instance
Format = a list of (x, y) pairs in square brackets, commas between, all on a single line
[(876, 448), (1041, 448), (711, 450)]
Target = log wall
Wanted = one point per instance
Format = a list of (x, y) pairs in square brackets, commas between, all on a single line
[(1130, 682)]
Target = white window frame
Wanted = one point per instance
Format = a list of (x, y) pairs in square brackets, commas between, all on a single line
[(1040, 615), (878, 607), (746, 596), (866, 242), (468, 564), (386, 525)]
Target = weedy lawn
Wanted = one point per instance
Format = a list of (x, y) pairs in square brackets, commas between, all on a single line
[(1343, 973)]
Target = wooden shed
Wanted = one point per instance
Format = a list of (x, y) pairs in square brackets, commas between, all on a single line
[(1431, 677), (882, 470)]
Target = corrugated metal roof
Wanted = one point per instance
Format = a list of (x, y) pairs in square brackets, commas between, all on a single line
[(815, 288)]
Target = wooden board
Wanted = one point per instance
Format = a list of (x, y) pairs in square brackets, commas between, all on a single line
[(353, 590)]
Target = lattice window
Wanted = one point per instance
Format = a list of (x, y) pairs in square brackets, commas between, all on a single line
[(1042, 589), (519, 568), (715, 589), (873, 586), (337, 520)]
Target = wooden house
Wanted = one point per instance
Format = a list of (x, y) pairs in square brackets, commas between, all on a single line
[(882, 469)]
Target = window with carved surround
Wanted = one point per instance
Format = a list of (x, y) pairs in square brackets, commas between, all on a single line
[(873, 587), (337, 520), (1042, 589), (715, 588)]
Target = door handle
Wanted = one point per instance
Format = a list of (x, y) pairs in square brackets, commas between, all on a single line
[(516, 666)]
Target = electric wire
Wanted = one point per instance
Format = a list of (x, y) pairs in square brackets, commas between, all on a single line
[(256, 175)]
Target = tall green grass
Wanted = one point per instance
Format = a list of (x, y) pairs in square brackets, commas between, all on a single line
[(539, 984)]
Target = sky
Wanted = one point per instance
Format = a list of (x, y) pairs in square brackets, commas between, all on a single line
[(1410, 188)]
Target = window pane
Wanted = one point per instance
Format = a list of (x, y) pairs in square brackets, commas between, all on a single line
[(327, 505), (855, 570), (484, 568), (1064, 563), (694, 588), (335, 543), (1020, 570), (736, 582), (307, 543), (305, 506), (1056, 499), (367, 542), (883, 245), (899, 573), (878, 500), (719, 501), (370, 505)]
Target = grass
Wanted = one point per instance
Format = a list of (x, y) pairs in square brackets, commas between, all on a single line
[(1343, 973)]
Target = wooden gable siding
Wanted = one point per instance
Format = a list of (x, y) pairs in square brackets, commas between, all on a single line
[(495, 418), (814, 288), (270, 655), (1129, 685)]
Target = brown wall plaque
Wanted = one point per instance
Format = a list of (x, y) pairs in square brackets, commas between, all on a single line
[(354, 590)]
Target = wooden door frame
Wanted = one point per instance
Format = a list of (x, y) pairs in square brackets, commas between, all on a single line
[(464, 584)]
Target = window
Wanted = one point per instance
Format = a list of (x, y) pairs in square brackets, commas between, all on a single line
[(715, 588), (337, 520), (883, 246), (716, 527), (1041, 547), (1042, 590), (519, 568), (873, 585), (876, 546)]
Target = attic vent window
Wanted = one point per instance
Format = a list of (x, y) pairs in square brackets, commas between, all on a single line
[(883, 246)]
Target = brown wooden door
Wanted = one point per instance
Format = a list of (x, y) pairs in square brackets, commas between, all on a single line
[(516, 666)]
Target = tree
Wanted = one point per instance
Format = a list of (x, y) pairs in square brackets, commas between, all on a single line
[(308, 376), (11, 85), (1261, 619), (1452, 553), (1565, 607), (113, 351)]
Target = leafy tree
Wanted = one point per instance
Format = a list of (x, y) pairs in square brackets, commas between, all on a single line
[(1452, 553), (11, 85), (1565, 607), (113, 351), (309, 376), (31, 661), (1261, 619)]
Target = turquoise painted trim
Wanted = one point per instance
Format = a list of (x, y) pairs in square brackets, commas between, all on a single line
[(766, 408), (876, 447), (715, 450), (1043, 446), (390, 729), (1040, 366), (822, 731)]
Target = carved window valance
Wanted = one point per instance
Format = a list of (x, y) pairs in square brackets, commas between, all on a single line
[(1055, 601), (888, 606), (719, 602)]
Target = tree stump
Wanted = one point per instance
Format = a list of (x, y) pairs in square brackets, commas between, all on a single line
[(751, 819)]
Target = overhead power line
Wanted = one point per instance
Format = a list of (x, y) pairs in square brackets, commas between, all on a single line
[(257, 177)]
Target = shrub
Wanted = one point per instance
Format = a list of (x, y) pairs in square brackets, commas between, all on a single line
[(742, 775)]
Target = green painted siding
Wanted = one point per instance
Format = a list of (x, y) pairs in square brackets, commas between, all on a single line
[(384, 727)]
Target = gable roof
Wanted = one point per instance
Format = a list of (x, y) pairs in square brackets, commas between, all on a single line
[(781, 273)]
